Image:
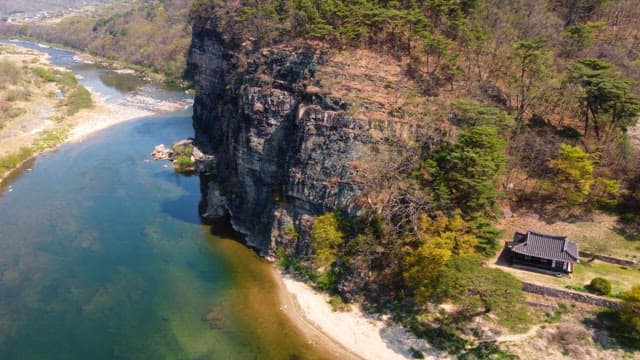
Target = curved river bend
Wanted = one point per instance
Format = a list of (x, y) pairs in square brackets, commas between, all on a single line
[(103, 256)]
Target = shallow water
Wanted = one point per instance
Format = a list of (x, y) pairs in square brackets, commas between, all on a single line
[(103, 256), (113, 86)]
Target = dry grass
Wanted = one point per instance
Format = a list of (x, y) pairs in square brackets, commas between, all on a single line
[(376, 85), (621, 278)]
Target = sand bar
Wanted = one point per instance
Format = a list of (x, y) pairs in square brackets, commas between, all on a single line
[(361, 335)]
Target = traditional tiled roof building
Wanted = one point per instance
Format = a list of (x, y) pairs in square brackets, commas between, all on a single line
[(553, 253)]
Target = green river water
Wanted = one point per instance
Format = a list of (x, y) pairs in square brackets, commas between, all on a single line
[(103, 256)]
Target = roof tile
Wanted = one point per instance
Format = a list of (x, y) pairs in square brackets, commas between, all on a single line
[(547, 247)]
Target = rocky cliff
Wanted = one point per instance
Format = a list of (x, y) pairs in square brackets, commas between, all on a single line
[(286, 149)]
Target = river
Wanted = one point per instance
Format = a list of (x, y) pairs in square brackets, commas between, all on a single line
[(103, 256)]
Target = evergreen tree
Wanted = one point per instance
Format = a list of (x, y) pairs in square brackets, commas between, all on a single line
[(604, 96), (463, 174)]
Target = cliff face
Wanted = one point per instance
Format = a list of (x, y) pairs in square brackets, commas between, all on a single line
[(285, 150)]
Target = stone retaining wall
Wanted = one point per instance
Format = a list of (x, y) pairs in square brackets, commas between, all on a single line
[(608, 259), (570, 295)]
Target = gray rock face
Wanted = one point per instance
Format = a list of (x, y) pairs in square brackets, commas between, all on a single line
[(284, 152), (216, 204)]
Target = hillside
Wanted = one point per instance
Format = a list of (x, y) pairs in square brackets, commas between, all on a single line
[(371, 147), (8, 7), (152, 34)]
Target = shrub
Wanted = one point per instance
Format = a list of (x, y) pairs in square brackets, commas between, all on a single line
[(338, 305), (67, 79), (10, 161), (289, 263), (326, 238), (630, 312), (9, 73), (183, 163), (416, 354), (50, 139), (290, 232), (600, 286), (45, 74), (78, 99)]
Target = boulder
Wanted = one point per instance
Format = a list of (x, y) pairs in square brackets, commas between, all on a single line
[(161, 152)]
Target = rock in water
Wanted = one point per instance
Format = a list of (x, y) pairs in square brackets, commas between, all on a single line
[(161, 152)]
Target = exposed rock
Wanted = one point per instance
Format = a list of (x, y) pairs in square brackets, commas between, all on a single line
[(214, 318), (183, 146), (197, 155), (161, 152), (285, 151), (216, 204), (185, 157)]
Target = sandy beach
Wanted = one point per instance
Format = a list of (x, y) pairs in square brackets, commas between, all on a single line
[(359, 335), (104, 115)]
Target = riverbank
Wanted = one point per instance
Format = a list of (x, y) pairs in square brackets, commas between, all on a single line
[(42, 123), (368, 336), (77, 128), (105, 115)]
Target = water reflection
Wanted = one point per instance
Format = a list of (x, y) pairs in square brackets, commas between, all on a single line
[(125, 83)]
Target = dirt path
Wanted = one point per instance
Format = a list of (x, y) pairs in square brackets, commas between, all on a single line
[(519, 337)]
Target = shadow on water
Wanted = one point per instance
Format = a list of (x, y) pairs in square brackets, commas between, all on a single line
[(182, 208), (122, 82), (222, 228)]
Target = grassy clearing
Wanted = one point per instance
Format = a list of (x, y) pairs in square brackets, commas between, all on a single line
[(621, 278), (11, 161), (612, 244), (50, 139)]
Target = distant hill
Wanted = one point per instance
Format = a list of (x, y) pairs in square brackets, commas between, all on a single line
[(154, 34), (12, 6)]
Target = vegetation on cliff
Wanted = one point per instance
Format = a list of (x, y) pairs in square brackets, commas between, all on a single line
[(561, 70), (542, 103)]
